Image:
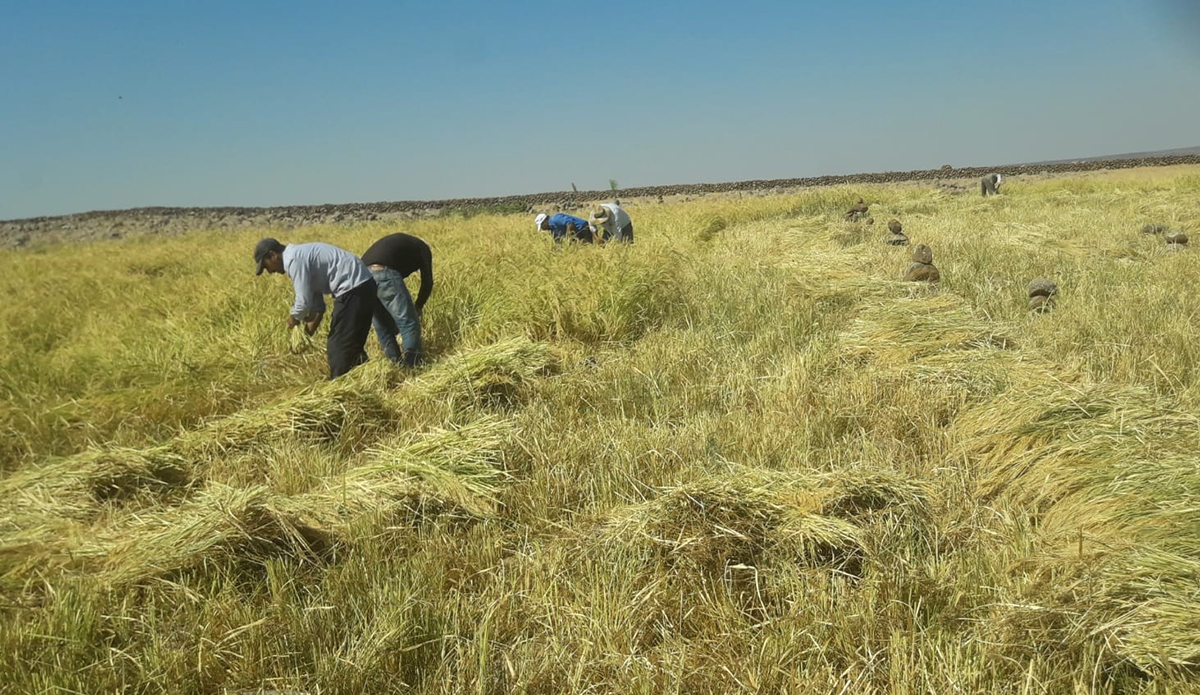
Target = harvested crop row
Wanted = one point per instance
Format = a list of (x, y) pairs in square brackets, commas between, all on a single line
[(453, 471)]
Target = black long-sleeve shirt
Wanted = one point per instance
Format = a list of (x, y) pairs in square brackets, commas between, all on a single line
[(405, 254)]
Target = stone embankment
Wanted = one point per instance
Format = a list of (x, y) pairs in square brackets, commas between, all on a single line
[(163, 220)]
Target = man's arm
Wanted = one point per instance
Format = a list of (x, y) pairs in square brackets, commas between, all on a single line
[(308, 302), (426, 282), (579, 231)]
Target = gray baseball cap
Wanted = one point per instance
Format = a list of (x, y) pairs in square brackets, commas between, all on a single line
[(264, 247)]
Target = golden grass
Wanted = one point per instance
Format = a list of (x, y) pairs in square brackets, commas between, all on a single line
[(739, 455)]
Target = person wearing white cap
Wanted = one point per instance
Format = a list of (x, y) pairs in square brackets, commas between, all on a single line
[(612, 222), (560, 225)]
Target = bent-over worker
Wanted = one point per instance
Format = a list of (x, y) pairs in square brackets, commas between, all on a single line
[(318, 269), (612, 222), (390, 260), (561, 225)]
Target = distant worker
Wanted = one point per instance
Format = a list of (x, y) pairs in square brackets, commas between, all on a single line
[(612, 222), (318, 269), (563, 225), (390, 260), (990, 184)]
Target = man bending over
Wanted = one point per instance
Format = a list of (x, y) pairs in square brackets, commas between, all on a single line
[(563, 225), (390, 260), (318, 269), (612, 222)]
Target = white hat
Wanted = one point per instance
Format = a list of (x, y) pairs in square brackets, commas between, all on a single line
[(602, 218), (539, 220)]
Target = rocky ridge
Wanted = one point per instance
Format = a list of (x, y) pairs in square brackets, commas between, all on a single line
[(171, 220)]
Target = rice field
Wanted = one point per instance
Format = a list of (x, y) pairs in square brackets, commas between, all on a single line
[(738, 456)]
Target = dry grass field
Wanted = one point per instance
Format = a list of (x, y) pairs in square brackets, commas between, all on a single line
[(738, 456)]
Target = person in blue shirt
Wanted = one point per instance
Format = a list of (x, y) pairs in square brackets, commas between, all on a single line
[(563, 225)]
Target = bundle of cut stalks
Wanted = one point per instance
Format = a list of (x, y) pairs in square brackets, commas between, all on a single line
[(224, 527), (751, 518), (1111, 479), (458, 465), (493, 375), (1151, 598), (921, 327), (832, 275), (861, 493), (1043, 443), (71, 488)]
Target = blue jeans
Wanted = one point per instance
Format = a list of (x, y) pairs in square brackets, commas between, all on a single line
[(393, 293)]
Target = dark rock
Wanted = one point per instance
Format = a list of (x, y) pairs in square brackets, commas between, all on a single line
[(1042, 288), (922, 254), (897, 240), (1177, 239), (894, 226), (857, 211), (1155, 228), (922, 272)]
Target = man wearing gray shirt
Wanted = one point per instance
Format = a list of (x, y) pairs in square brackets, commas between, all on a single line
[(318, 269), (612, 222)]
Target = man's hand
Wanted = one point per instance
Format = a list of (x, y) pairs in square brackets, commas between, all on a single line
[(292, 322), (312, 324)]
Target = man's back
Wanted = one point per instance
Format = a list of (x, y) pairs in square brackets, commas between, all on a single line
[(405, 254), (620, 218), (322, 268), (559, 222), (401, 252)]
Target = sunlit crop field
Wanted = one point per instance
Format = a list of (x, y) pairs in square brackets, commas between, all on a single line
[(737, 456)]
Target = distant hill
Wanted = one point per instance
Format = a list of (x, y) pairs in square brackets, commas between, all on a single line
[(112, 224), (1180, 152)]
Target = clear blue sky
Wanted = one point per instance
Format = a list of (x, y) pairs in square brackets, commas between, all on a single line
[(257, 102)]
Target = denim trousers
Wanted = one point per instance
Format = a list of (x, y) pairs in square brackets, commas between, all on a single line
[(394, 296)]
